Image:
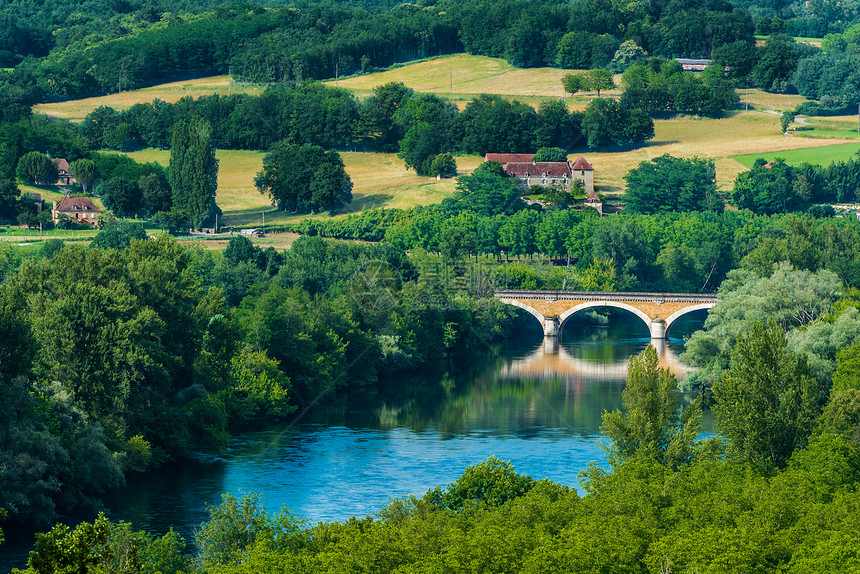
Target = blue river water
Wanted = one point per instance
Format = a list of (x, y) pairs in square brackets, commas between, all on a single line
[(537, 405)]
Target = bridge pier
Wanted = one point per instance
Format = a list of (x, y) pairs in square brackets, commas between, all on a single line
[(658, 329), (550, 346), (550, 327)]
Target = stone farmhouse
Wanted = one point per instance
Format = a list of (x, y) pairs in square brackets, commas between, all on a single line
[(531, 173), (64, 175), (80, 209)]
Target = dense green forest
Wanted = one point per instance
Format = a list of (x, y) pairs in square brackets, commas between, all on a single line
[(134, 352)]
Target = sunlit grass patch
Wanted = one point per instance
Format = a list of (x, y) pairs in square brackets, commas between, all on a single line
[(77, 110), (379, 180), (818, 155)]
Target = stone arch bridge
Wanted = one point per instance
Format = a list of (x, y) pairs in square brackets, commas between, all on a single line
[(657, 310)]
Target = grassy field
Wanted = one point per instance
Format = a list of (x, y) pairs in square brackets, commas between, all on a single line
[(379, 180), (821, 155), (77, 110), (461, 77), (720, 140)]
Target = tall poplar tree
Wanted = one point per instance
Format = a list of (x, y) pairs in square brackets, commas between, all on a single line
[(193, 171)]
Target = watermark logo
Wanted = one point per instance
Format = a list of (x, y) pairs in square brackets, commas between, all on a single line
[(375, 286)]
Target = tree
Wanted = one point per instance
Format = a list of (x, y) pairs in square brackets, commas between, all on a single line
[(305, 176), (118, 235), (573, 83), (233, 527), (668, 183), (193, 170), (36, 167), (607, 122), (628, 54), (768, 188), (574, 51), (786, 119), (739, 57), (85, 172), (777, 60), (550, 154), (104, 546), (9, 194), (650, 424), (490, 483), (767, 402), (155, 193), (486, 192), (847, 375), (598, 79), (122, 197), (67, 551), (444, 165)]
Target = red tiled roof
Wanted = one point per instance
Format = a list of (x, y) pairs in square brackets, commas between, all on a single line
[(62, 164), (593, 198), (504, 158), (581, 164), (68, 204), (549, 168)]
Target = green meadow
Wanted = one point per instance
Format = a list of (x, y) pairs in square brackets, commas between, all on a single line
[(818, 155)]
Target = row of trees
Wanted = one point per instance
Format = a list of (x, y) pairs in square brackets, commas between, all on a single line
[(681, 252), (668, 183), (662, 85), (776, 187), (394, 118)]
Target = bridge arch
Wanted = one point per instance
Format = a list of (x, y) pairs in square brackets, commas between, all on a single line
[(534, 312), (678, 314), (591, 304)]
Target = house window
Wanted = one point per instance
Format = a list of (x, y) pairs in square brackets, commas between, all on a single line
[(543, 180), (583, 172)]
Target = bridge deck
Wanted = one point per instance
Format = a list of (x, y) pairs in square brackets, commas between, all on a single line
[(607, 296), (657, 310)]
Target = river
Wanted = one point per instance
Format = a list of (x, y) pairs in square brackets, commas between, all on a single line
[(537, 405)]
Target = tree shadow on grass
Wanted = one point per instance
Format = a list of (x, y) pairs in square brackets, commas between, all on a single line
[(361, 201)]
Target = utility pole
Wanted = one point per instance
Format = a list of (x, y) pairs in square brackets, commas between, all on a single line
[(229, 81), (451, 81), (747, 101)]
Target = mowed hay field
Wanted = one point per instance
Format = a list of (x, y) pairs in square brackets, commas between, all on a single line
[(379, 180), (717, 139), (77, 110), (461, 77)]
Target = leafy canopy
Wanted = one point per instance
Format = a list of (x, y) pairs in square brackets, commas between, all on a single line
[(650, 424)]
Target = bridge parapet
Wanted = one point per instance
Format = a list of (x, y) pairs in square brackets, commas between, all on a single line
[(657, 310)]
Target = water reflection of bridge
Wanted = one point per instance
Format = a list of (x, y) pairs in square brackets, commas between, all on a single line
[(552, 361)]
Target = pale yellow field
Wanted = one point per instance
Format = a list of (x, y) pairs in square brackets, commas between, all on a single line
[(379, 180), (77, 110), (461, 77), (706, 138)]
